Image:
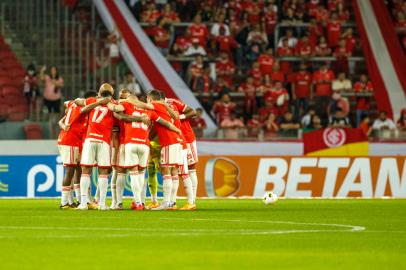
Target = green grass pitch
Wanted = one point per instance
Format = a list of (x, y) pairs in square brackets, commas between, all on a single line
[(221, 234)]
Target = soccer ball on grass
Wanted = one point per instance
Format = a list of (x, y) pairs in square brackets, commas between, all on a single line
[(269, 198)]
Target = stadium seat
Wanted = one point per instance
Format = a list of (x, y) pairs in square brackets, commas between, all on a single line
[(33, 132), (6, 81), (11, 91)]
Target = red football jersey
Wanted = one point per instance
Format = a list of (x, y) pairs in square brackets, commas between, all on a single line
[(266, 63), (137, 132), (101, 122), (303, 82), (185, 127), (322, 81), (166, 136), (200, 32), (77, 122), (333, 33)]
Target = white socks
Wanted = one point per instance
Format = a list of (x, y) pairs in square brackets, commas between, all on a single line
[(167, 187), (103, 186), (188, 188), (84, 187), (135, 187), (174, 190), (76, 187), (120, 187), (113, 187), (193, 178), (65, 194)]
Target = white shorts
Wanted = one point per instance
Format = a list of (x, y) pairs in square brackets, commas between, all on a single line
[(118, 157), (183, 167), (96, 153), (171, 155), (70, 155), (192, 153), (136, 155)]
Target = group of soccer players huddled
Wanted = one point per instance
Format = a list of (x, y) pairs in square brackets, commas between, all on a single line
[(127, 136)]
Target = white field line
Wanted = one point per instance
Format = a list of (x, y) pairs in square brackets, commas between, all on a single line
[(179, 232)]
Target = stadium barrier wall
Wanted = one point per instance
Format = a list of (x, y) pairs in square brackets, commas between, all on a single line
[(228, 169)]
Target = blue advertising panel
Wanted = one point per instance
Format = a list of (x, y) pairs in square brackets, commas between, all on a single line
[(40, 176)]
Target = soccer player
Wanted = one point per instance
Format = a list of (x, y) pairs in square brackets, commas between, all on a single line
[(96, 147), (171, 151), (137, 145), (188, 166), (72, 125), (118, 162)]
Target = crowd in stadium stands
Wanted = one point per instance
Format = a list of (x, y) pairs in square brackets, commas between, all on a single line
[(232, 49), (398, 10)]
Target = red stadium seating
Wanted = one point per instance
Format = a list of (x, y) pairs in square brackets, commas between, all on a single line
[(11, 91), (33, 132)]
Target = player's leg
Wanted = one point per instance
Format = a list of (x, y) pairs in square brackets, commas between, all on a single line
[(153, 168), (121, 175), (69, 156), (87, 162), (143, 154), (66, 187), (113, 186), (76, 184), (192, 161), (166, 169), (103, 160), (187, 183)]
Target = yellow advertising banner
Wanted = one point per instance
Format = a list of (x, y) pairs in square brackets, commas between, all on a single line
[(302, 177)]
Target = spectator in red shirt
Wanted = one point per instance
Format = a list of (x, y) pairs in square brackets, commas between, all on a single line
[(220, 24), (301, 90), (322, 80), (225, 43), (312, 7), (198, 123), (254, 126), (168, 15), (266, 61), (225, 68), (285, 51), (277, 74), (205, 87), (322, 49), (321, 14), (333, 29), (161, 36), (223, 108), (400, 23), (256, 73), (315, 31), (151, 14), (196, 70), (342, 13), (250, 92), (266, 88), (350, 42), (253, 9), (271, 127), (199, 30), (341, 54), (304, 48), (281, 97), (183, 42), (269, 107), (270, 19), (363, 86)]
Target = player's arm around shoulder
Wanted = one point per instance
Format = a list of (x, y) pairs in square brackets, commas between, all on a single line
[(91, 106), (168, 125)]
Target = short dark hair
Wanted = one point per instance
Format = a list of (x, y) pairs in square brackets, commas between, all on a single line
[(105, 93), (155, 94), (142, 97), (90, 93)]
